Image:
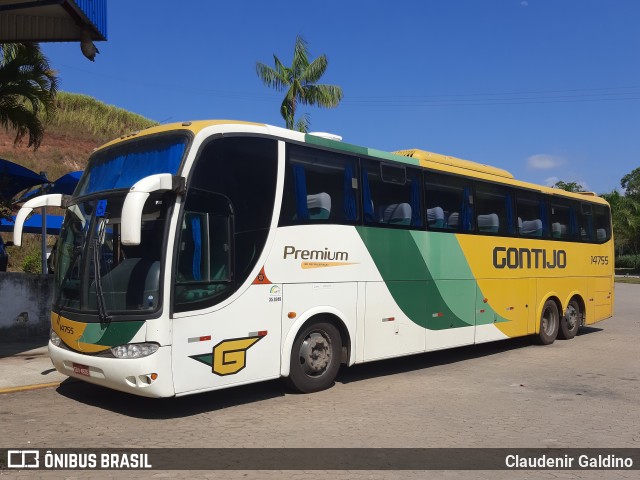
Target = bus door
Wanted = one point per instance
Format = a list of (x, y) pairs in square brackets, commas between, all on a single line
[(224, 332), (238, 343)]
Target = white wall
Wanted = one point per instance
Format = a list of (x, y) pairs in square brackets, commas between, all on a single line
[(25, 304)]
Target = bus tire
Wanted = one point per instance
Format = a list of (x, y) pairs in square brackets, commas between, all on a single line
[(315, 358), (570, 321), (549, 323)]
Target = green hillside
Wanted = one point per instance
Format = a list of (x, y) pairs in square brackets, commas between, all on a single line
[(81, 124), (104, 122)]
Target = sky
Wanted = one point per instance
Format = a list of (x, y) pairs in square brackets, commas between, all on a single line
[(547, 89)]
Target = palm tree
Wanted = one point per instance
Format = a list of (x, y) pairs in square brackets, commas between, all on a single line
[(300, 82), (625, 216), (28, 87)]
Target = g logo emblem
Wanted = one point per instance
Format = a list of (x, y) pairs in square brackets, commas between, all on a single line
[(230, 356)]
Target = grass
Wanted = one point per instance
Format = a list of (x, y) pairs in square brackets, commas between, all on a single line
[(80, 124), (83, 113), (628, 262), (29, 255)]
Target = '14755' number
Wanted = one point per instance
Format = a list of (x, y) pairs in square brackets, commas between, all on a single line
[(599, 259)]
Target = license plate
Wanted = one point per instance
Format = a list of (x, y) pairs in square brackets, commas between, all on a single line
[(81, 369)]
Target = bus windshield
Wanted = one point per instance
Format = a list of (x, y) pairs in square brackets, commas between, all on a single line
[(95, 273), (122, 166)]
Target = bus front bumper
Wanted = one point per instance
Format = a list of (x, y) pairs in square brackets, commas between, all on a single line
[(127, 375)]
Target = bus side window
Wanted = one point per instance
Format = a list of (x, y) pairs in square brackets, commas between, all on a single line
[(532, 215), (391, 195), (449, 203), (563, 220), (204, 248), (587, 233), (494, 207), (320, 187), (602, 223)]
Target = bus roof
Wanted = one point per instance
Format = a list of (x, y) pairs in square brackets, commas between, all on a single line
[(193, 127), (430, 157), (414, 156)]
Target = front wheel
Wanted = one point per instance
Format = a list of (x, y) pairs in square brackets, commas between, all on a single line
[(549, 323), (570, 321), (315, 358)]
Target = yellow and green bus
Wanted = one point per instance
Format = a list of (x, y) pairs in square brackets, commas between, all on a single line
[(203, 255)]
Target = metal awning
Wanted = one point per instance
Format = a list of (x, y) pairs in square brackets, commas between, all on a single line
[(14, 178), (52, 20), (33, 224), (66, 184)]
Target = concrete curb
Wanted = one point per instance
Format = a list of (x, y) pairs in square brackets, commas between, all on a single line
[(26, 388), (26, 366)]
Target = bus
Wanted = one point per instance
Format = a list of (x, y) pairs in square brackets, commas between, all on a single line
[(203, 255)]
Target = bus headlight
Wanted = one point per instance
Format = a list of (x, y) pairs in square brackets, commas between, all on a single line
[(134, 350), (55, 339)]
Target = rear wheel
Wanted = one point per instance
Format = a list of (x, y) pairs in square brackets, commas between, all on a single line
[(549, 323), (570, 321), (315, 358)]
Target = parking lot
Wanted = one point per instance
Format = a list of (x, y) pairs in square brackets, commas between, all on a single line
[(580, 393)]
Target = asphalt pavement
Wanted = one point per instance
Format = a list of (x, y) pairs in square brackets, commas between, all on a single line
[(25, 365), (581, 393)]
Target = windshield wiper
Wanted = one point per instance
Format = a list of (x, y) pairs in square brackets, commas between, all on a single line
[(102, 310)]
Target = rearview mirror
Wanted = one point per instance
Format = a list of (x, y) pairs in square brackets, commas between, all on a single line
[(52, 200), (130, 232)]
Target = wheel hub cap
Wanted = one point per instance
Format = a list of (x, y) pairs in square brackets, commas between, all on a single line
[(572, 317), (315, 354), (547, 322)]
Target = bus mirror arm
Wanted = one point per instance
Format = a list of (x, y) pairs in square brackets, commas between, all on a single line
[(131, 226), (52, 200)]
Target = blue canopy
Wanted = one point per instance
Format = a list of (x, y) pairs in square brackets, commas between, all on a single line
[(66, 184), (14, 178), (34, 224)]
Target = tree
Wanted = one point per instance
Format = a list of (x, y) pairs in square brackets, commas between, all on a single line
[(300, 83), (625, 216), (569, 187), (631, 183), (28, 87), (625, 213)]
